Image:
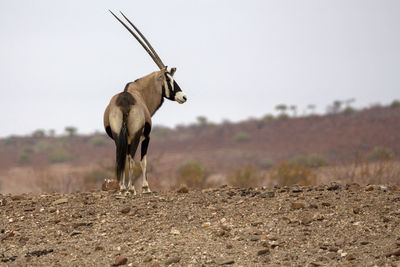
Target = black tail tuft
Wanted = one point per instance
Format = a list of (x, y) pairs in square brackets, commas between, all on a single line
[(122, 150)]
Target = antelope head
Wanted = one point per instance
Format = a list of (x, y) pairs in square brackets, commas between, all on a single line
[(170, 88)]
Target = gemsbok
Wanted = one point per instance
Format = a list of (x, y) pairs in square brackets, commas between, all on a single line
[(127, 118)]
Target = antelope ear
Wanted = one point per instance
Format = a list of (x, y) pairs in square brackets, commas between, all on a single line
[(172, 72), (160, 75)]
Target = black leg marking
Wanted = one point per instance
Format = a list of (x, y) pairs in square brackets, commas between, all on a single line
[(146, 141), (145, 145), (135, 143)]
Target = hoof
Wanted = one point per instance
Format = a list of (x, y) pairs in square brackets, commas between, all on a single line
[(146, 190)]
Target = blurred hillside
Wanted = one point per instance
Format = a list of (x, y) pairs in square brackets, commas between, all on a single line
[(345, 144)]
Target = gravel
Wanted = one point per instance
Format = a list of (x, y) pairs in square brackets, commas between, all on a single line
[(330, 225)]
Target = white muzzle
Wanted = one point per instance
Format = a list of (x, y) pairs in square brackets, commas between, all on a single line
[(180, 97)]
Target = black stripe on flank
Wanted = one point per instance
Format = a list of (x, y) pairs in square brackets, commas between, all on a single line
[(109, 133)]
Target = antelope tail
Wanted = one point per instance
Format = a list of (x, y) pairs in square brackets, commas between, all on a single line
[(122, 149)]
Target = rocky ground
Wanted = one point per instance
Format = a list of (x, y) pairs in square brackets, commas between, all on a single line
[(332, 225)]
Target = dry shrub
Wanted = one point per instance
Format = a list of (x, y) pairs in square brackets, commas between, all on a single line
[(245, 177), (380, 153), (192, 174), (288, 173), (366, 172)]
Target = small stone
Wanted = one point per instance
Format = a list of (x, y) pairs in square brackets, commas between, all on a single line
[(356, 210), (254, 238), (369, 188), (350, 257), (395, 252), (175, 231), (333, 249), (183, 189), (60, 201), (17, 197), (339, 242), (306, 221), (205, 224), (331, 255), (317, 263), (147, 259), (384, 188), (297, 190), (75, 233), (326, 204), (155, 264), (333, 186), (125, 210), (274, 244), (3, 202), (229, 246), (120, 260), (263, 251), (172, 260), (226, 261), (297, 205), (220, 232), (110, 185), (52, 209), (270, 194), (98, 248), (364, 242)]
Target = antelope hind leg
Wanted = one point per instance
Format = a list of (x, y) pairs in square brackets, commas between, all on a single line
[(131, 186)]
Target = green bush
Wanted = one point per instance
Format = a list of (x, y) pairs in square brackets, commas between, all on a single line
[(300, 160), (43, 146), (266, 163), (268, 117), (24, 156), (39, 133), (380, 153), (246, 177), (98, 141), (309, 161), (59, 156), (395, 104), (348, 110), (242, 137), (11, 140), (292, 173), (192, 174), (316, 161), (160, 131), (283, 116)]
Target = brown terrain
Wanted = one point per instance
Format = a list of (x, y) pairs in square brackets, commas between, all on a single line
[(335, 225), (303, 191), (41, 163)]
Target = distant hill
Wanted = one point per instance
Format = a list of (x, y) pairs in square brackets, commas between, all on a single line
[(221, 148)]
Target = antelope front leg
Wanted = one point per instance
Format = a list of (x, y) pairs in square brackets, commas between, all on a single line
[(131, 186)]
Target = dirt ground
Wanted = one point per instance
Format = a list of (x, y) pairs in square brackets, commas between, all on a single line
[(330, 225)]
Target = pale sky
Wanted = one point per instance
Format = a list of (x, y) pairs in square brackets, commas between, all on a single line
[(61, 61)]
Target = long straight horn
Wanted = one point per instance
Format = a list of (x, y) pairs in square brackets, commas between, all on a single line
[(159, 63), (145, 40)]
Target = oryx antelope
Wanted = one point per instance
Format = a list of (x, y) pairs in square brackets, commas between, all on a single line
[(127, 118)]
